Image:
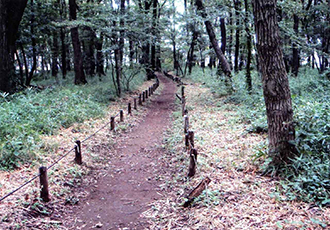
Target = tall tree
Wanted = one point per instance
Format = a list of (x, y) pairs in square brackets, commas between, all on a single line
[(248, 47), (275, 82), (223, 35), (80, 77), (209, 27), (11, 13), (237, 34)]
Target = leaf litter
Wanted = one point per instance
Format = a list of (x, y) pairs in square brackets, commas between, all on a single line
[(238, 197)]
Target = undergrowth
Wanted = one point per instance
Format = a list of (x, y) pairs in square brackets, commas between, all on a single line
[(27, 115), (307, 178)]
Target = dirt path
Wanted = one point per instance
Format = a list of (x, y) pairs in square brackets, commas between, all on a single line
[(130, 183)]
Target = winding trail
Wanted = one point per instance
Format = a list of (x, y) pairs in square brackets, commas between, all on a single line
[(130, 183)]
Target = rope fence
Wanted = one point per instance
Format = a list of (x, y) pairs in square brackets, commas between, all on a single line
[(189, 144), (42, 173)]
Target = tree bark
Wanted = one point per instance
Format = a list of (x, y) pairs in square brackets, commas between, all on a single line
[(34, 44), (62, 7), (295, 52), (191, 59), (248, 47), (78, 59), (10, 18), (55, 55), (224, 64), (237, 35), (275, 82), (154, 34), (223, 35), (99, 57)]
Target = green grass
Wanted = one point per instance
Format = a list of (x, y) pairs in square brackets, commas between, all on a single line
[(27, 115), (307, 177)]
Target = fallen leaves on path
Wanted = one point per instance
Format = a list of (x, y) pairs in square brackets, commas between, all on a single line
[(238, 197)]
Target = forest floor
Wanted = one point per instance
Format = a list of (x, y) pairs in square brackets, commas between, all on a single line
[(136, 176)]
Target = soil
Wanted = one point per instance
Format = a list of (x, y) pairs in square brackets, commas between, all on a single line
[(128, 186)]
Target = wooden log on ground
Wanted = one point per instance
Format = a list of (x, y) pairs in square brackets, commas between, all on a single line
[(192, 163), (78, 155), (44, 192), (197, 191)]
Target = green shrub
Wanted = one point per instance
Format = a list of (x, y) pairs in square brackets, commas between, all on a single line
[(308, 174), (26, 115)]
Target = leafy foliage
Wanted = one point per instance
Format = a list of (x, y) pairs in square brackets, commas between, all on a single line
[(28, 114), (307, 177)]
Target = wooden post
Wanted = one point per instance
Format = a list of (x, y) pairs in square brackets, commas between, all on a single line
[(197, 191), (112, 123), (44, 192), (182, 92), (135, 105), (129, 108), (143, 96), (146, 92), (121, 113), (140, 100), (149, 91), (186, 124), (192, 163), (183, 99), (190, 139), (77, 148), (186, 140)]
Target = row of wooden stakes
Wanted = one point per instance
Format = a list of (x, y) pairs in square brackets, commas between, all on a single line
[(44, 192), (190, 146)]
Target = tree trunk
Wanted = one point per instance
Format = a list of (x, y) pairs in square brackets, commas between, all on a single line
[(10, 18), (63, 53), (275, 82), (118, 64), (78, 59), (145, 60), (62, 7), (154, 34), (20, 65), (224, 64), (248, 47), (237, 35), (230, 40), (191, 58), (223, 35), (55, 55), (99, 56), (89, 50), (24, 61), (295, 51), (122, 31), (34, 44)]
